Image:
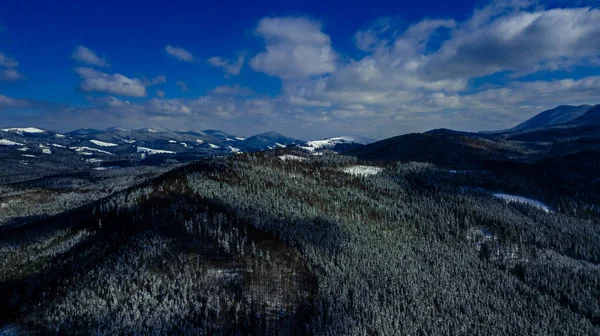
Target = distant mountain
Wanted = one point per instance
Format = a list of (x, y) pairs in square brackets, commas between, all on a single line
[(590, 118), (338, 144), (558, 115), (268, 140)]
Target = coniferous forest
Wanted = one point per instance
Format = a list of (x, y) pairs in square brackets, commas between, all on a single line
[(265, 244)]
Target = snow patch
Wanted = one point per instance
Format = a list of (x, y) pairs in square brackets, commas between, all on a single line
[(150, 151), (235, 150), (82, 149), (24, 149), (93, 160), (125, 140), (359, 170), (60, 135), (45, 150), (199, 141), (280, 145), (58, 146), (241, 139), (102, 143), (213, 146), (331, 142), (28, 155), (172, 141), (4, 142), (184, 144), (288, 157), (520, 199)]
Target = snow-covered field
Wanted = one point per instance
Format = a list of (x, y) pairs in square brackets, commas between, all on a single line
[(289, 157), (4, 142), (213, 146), (83, 148), (151, 151), (327, 143), (359, 170), (102, 143), (519, 199), (235, 150)]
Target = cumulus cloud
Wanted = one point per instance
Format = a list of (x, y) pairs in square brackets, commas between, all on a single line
[(522, 42), (230, 68), (96, 81), (8, 62), (160, 93), (232, 90), (10, 75), (294, 48), (179, 53), (182, 86), (88, 56)]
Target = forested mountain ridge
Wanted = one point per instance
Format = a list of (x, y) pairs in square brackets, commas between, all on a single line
[(304, 246)]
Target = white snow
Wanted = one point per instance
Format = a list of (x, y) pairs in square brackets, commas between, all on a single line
[(85, 153), (4, 142), (24, 149), (287, 157), (241, 139), (213, 146), (45, 150), (151, 151), (59, 146), (235, 150), (362, 170), (24, 130), (520, 199), (28, 155), (331, 142), (172, 141), (102, 143), (93, 160), (83, 148), (310, 149), (125, 140), (59, 135), (228, 139), (280, 145), (200, 141), (183, 144)]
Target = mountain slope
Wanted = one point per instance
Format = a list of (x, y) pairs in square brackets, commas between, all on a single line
[(558, 115), (268, 140)]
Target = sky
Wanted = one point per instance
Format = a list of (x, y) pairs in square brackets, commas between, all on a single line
[(308, 69)]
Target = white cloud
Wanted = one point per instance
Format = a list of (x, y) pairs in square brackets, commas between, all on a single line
[(179, 53), (232, 90), (160, 79), (10, 75), (520, 41), (231, 68), (160, 93), (8, 62), (88, 56), (118, 84), (13, 102), (295, 48), (182, 86)]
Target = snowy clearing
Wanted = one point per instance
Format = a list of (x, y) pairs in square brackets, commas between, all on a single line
[(24, 149), (58, 146), (125, 140), (151, 151), (519, 199), (24, 130), (362, 170), (4, 142), (331, 142), (172, 141), (60, 135), (184, 144), (28, 155), (235, 150), (93, 160), (102, 143), (280, 145), (82, 149), (199, 141), (289, 157), (241, 139), (213, 146)]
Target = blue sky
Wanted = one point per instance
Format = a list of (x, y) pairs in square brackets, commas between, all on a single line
[(307, 69)]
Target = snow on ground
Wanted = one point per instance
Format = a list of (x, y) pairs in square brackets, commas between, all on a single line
[(519, 199), (228, 139), (235, 150), (199, 141), (213, 146), (362, 170), (102, 143), (172, 141), (24, 149), (326, 143), (241, 139), (58, 146), (93, 160), (151, 151), (125, 140), (83, 148), (28, 155), (280, 145), (24, 130), (59, 135), (4, 142), (184, 144), (289, 157), (45, 150), (310, 149), (106, 168)]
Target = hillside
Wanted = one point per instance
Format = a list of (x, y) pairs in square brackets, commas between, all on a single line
[(254, 244)]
